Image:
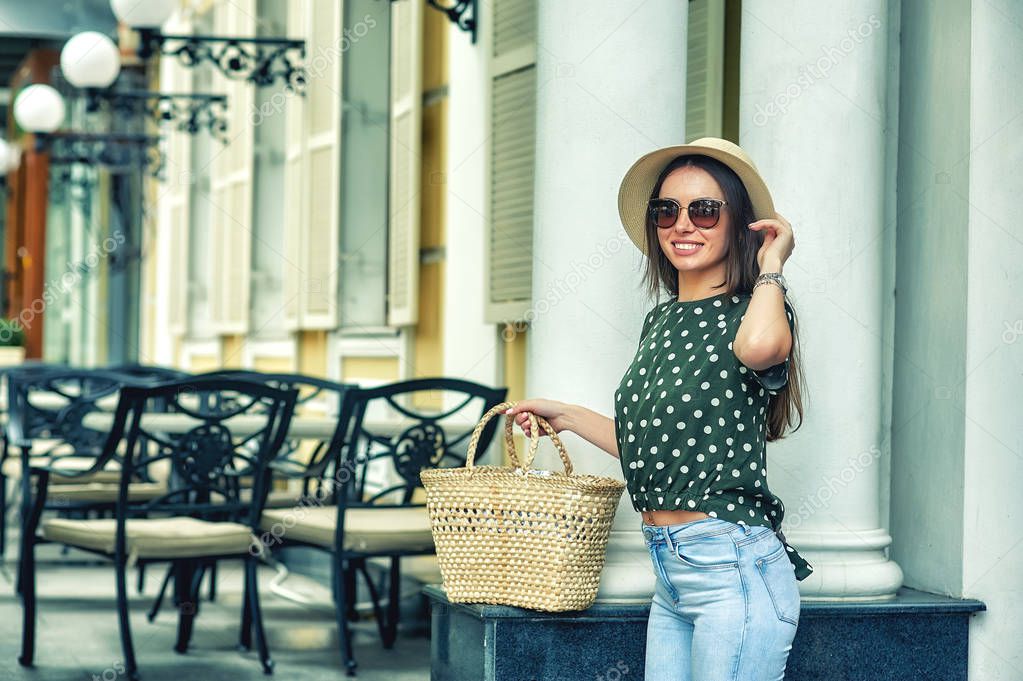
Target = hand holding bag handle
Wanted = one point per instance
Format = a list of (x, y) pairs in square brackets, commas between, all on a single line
[(534, 438)]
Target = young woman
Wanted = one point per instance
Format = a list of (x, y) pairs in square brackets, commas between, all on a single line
[(715, 377)]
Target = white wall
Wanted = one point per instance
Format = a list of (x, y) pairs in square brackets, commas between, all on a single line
[(927, 502), (611, 87), (471, 346), (993, 506)]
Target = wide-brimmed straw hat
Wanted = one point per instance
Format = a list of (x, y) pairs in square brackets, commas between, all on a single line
[(637, 184)]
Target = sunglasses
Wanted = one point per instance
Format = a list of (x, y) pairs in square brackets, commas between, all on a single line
[(703, 213)]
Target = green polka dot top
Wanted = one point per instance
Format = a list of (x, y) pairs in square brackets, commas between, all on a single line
[(690, 418)]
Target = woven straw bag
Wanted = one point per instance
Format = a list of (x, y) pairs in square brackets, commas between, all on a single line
[(519, 536)]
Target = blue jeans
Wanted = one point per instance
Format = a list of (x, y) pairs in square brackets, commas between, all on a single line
[(725, 606)]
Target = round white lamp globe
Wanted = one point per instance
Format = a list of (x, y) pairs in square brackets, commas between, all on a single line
[(39, 108), (6, 160), (143, 13), (90, 59)]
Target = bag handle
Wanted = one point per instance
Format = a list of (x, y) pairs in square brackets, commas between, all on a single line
[(535, 423)]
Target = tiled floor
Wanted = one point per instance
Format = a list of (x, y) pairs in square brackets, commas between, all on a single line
[(78, 635)]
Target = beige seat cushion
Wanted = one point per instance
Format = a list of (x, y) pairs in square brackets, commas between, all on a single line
[(110, 474), (104, 492), (178, 537), (369, 530)]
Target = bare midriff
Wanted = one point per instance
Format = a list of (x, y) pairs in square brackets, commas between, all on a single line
[(672, 517)]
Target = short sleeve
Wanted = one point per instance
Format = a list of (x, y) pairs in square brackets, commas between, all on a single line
[(651, 317), (774, 378)]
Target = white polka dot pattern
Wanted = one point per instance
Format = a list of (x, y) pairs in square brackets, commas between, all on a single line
[(691, 427)]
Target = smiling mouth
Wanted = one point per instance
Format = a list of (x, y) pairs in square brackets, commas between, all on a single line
[(686, 247)]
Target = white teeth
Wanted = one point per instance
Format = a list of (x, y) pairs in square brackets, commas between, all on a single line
[(686, 247)]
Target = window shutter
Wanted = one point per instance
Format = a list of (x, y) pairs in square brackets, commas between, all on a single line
[(705, 69), (509, 251), (319, 290), (312, 173), (405, 165), (294, 180), (231, 189), (174, 204)]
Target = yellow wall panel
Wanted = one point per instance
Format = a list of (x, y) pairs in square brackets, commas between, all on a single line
[(373, 368), (202, 363), (272, 365), (436, 28), (231, 350), (312, 353)]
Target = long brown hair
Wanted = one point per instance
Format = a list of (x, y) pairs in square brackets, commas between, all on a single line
[(741, 271)]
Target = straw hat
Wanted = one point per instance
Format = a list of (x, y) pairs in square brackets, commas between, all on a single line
[(637, 184)]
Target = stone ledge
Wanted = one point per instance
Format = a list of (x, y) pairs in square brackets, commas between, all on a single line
[(917, 635)]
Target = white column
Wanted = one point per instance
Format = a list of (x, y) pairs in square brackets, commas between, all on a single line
[(611, 87), (813, 112)]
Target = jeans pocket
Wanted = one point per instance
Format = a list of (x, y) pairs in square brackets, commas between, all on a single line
[(715, 552), (780, 581)]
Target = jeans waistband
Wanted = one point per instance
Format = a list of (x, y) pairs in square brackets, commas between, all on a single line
[(699, 528), (693, 529)]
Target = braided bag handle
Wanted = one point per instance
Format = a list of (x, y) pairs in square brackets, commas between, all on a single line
[(535, 423)]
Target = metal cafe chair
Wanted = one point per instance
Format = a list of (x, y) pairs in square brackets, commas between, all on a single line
[(13, 468), (152, 374), (305, 458), (45, 409), (199, 520), (371, 503)]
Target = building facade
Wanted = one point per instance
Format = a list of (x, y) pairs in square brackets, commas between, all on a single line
[(437, 205)]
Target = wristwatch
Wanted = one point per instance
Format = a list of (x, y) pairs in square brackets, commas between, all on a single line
[(772, 278)]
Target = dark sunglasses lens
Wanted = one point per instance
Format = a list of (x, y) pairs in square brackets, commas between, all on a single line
[(663, 213), (704, 213)]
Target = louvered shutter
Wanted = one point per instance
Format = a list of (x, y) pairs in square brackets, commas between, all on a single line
[(323, 139), (509, 252), (312, 172), (231, 186), (295, 184), (705, 69), (174, 210), (405, 163)]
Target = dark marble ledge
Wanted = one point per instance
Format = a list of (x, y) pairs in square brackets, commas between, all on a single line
[(906, 601)]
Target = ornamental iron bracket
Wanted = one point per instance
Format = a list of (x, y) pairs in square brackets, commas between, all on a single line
[(258, 60), (463, 13), (122, 152), (189, 113)]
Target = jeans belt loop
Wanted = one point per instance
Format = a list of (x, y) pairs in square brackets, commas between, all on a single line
[(667, 538)]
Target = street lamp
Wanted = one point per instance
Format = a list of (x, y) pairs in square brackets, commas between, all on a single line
[(9, 158), (39, 109), (261, 61), (90, 60), (144, 14)]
